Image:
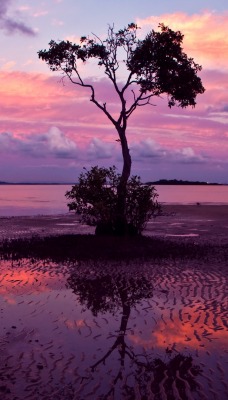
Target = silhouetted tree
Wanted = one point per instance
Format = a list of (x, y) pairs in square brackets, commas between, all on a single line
[(154, 65), (95, 197)]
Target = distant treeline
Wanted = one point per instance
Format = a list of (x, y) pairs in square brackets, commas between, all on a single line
[(179, 182), (35, 183), (160, 182)]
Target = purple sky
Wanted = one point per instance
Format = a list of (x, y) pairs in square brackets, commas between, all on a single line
[(49, 131)]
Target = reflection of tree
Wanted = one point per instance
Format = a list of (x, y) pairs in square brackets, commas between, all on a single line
[(109, 292), (157, 379), (102, 292)]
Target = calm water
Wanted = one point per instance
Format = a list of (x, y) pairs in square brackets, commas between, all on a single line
[(84, 331), (50, 199)]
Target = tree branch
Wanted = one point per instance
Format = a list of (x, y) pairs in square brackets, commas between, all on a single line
[(93, 99), (139, 102)]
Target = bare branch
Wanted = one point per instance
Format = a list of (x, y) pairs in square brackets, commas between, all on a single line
[(134, 95), (94, 34), (101, 107), (139, 102), (93, 99)]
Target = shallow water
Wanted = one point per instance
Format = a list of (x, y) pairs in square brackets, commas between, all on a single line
[(22, 200), (112, 332)]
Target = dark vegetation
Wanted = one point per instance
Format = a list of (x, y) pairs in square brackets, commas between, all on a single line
[(96, 248), (179, 182), (154, 66), (95, 199)]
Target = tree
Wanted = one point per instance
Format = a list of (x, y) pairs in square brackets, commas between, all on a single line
[(155, 65), (95, 198)]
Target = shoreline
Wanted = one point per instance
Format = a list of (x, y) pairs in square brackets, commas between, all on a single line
[(203, 223)]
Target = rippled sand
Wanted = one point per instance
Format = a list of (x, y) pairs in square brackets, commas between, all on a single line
[(117, 330), (113, 331)]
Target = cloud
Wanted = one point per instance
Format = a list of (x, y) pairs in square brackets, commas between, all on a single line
[(34, 103), (52, 143), (59, 144), (9, 65), (57, 22), (11, 25), (147, 149), (40, 13), (99, 149), (188, 156), (205, 35)]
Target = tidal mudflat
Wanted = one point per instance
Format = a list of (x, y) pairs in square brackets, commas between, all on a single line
[(117, 330)]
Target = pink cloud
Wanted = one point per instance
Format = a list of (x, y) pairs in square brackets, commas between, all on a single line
[(51, 119), (205, 35)]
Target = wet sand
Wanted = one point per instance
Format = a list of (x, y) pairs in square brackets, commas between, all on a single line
[(105, 331), (202, 222), (91, 330)]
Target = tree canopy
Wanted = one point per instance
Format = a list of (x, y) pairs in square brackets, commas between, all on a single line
[(154, 66), (157, 64)]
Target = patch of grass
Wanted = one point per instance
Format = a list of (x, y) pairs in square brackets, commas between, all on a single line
[(91, 247)]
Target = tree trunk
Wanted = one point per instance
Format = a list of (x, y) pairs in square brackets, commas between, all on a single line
[(121, 221)]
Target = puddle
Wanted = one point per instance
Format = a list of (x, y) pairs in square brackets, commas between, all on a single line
[(112, 332), (183, 235), (68, 224), (203, 220)]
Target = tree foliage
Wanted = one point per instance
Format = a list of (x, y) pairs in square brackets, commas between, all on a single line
[(95, 198), (157, 64), (154, 66)]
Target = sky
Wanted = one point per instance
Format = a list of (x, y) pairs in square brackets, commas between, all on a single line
[(49, 130)]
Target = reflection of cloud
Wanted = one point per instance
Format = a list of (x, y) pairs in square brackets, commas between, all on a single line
[(21, 281), (9, 24), (72, 324), (180, 333), (80, 323)]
